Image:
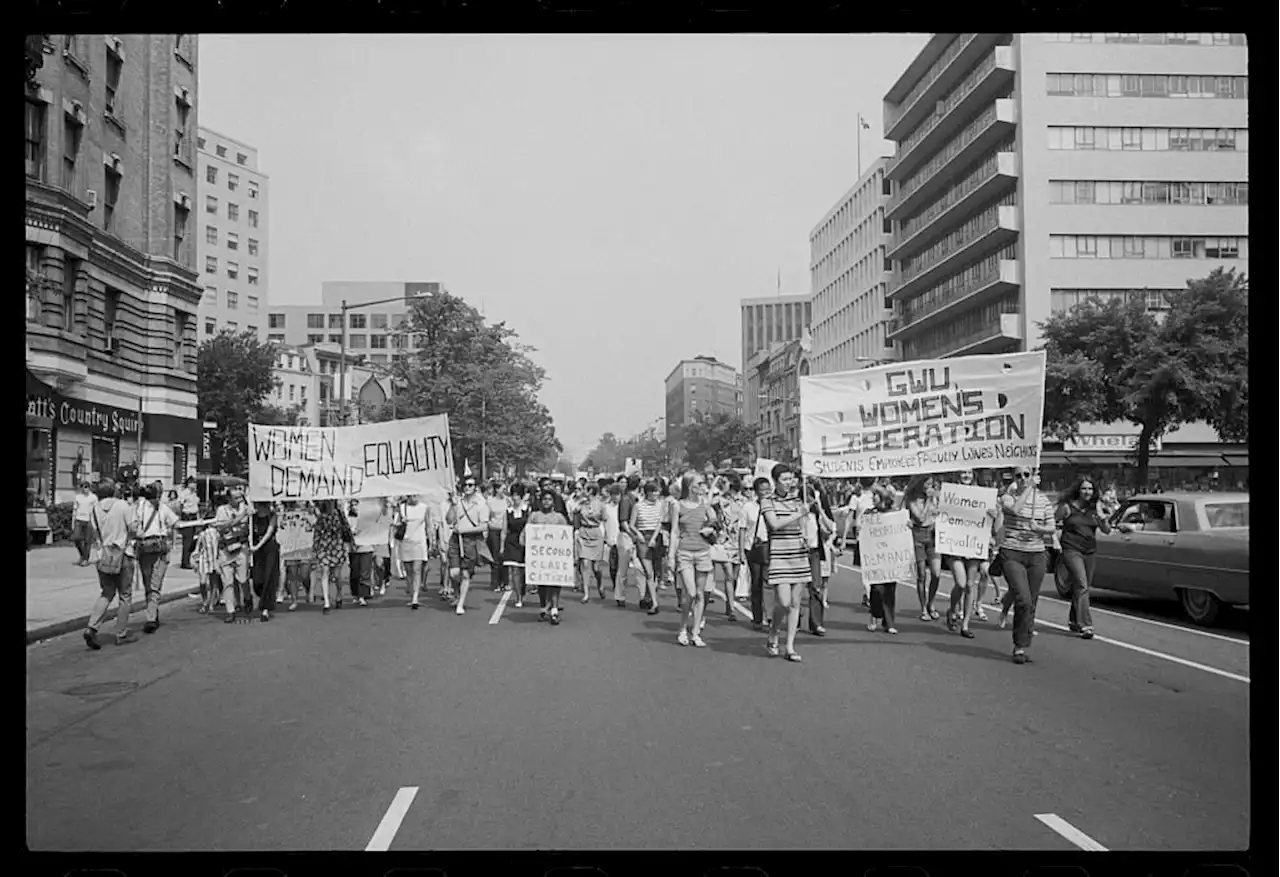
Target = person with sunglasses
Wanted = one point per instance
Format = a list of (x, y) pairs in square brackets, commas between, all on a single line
[(468, 517), (1028, 518)]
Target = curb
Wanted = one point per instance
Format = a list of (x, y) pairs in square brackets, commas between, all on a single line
[(59, 628)]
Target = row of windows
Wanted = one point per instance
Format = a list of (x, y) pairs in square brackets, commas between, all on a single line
[(980, 123), (232, 299), (952, 99), (221, 150), (233, 240), (1066, 299), (865, 238), (850, 212), (968, 328), (970, 231), (233, 181), (970, 178), (1146, 247), (1144, 192), (1152, 39), (960, 284), (233, 210), (233, 269), (1151, 139), (358, 321), (1147, 85), (211, 326)]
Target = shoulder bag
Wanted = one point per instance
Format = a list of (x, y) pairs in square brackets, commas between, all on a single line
[(152, 545), (403, 526), (758, 553), (111, 559)]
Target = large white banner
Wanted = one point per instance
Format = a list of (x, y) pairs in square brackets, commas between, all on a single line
[(928, 416), (548, 554), (764, 468), (888, 554), (964, 527), (395, 458)]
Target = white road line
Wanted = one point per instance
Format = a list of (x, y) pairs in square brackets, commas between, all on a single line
[(390, 823), (1071, 833), (746, 613), (502, 604), (1098, 611), (1139, 649)]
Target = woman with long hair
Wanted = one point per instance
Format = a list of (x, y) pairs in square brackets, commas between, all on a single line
[(922, 503), (513, 525), (265, 552), (1080, 515), (966, 572), (671, 497), (646, 520), (1028, 518), (414, 547), (726, 554), (820, 535), (327, 548), (695, 527), (789, 569), (588, 519)]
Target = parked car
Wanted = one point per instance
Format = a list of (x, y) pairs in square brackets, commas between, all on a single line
[(1192, 547)]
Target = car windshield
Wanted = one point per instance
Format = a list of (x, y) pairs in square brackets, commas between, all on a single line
[(1226, 514)]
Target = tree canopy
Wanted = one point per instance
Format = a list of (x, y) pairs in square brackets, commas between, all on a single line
[(234, 377), (483, 378), (713, 438), (1118, 362)]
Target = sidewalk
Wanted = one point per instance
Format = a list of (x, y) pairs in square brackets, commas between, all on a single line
[(60, 594)]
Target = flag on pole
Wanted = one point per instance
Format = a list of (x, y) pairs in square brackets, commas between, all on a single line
[(863, 122), (779, 282)]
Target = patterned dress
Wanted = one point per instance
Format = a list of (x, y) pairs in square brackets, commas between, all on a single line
[(328, 543), (788, 548)]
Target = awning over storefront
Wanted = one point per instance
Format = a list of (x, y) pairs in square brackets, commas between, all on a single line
[(1164, 461), (1237, 460)]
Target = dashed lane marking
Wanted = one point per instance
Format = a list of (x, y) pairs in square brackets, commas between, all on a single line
[(390, 823), (502, 604), (1071, 833)]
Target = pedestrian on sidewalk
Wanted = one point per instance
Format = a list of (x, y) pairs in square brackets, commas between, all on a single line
[(113, 524), (265, 551), (155, 524), (188, 510), (81, 528)]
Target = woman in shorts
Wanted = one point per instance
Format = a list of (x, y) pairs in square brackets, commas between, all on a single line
[(922, 503), (695, 527)]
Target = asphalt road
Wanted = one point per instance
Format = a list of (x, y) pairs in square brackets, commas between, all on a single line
[(605, 733)]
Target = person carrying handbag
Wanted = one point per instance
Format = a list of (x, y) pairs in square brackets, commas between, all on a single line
[(155, 522), (755, 546), (114, 528)]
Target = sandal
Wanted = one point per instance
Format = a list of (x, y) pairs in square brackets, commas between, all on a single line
[(924, 616), (772, 649), (967, 633), (794, 657), (933, 615)]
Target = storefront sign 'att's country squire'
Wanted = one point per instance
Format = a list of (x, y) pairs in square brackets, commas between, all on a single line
[(95, 418)]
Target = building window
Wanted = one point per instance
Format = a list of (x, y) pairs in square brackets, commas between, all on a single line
[(210, 326), (233, 182), (211, 175), (253, 276), (315, 321), (211, 204), (210, 296), (211, 234), (241, 158), (335, 339), (71, 131), (180, 217), (210, 265), (253, 190), (252, 301), (200, 143), (335, 321), (110, 308), (358, 321), (70, 276), (356, 341), (233, 270), (378, 341), (115, 66), (233, 241), (378, 321), (275, 338), (221, 150), (35, 116), (253, 219), (110, 197), (183, 115), (179, 340), (253, 247), (275, 321), (233, 212), (1147, 85), (233, 300), (315, 339), (233, 326)]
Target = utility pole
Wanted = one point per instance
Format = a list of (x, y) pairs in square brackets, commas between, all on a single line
[(483, 430)]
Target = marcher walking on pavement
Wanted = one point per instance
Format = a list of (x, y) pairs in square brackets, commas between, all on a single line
[(1028, 518), (1081, 514), (155, 525), (696, 528), (646, 522), (922, 504), (81, 522), (265, 551), (232, 521), (498, 503), (548, 596), (789, 570), (589, 540), (628, 540), (513, 543), (327, 549), (726, 554), (612, 495), (820, 536), (114, 527), (754, 535), (468, 517), (884, 595), (414, 544), (965, 573)]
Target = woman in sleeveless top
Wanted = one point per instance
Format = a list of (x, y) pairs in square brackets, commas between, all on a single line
[(647, 520), (589, 540), (789, 572), (922, 503), (512, 548), (694, 527), (266, 557)]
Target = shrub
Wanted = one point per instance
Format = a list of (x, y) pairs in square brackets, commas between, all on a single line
[(60, 518)]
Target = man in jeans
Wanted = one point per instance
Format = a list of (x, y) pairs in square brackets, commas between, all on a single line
[(189, 505), (113, 527)]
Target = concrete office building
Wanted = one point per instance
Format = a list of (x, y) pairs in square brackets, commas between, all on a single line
[(777, 372), (702, 385), (847, 270), (112, 291), (1035, 170), (374, 332), (767, 321), (232, 235)]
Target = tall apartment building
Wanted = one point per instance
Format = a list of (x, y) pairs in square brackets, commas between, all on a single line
[(767, 321), (112, 292), (374, 332), (232, 238), (702, 385), (849, 277), (1033, 171)]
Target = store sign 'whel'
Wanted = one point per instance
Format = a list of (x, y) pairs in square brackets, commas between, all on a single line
[(396, 458), (926, 416)]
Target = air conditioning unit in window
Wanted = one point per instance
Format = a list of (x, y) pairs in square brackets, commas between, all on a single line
[(91, 197), (183, 94), (75, 110), (112, 344), (112, 160), (114, 44), (183, 200)]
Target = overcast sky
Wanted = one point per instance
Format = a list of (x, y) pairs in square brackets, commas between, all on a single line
[(610, 197)]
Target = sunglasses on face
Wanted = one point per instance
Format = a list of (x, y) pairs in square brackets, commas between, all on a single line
[(468, 484)]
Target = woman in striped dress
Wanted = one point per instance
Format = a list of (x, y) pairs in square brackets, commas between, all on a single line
[(646, 519), (1028, 519), (789, 572)]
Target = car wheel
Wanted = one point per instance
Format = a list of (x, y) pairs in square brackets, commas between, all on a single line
[(1200, 606), (1061, 583)]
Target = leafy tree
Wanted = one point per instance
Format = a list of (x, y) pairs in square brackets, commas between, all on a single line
[(482, 377), (234, 377), (274, 415), (1117, 362), (34, 56), (712, 438), (608, 455)]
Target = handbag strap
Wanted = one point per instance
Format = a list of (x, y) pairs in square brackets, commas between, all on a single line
[(96, 527), (150, 521)]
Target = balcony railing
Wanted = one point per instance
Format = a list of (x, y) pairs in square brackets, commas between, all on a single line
[(958, 45), (1003, 326), (923, 307), (979, 177), (958, 144), (972, 230)]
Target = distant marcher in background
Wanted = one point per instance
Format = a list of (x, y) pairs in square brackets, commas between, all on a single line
[(498, 505), (155, 525), (188, 510), (82, 522)]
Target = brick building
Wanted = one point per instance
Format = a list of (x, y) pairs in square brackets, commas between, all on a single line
[(112, 292)]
